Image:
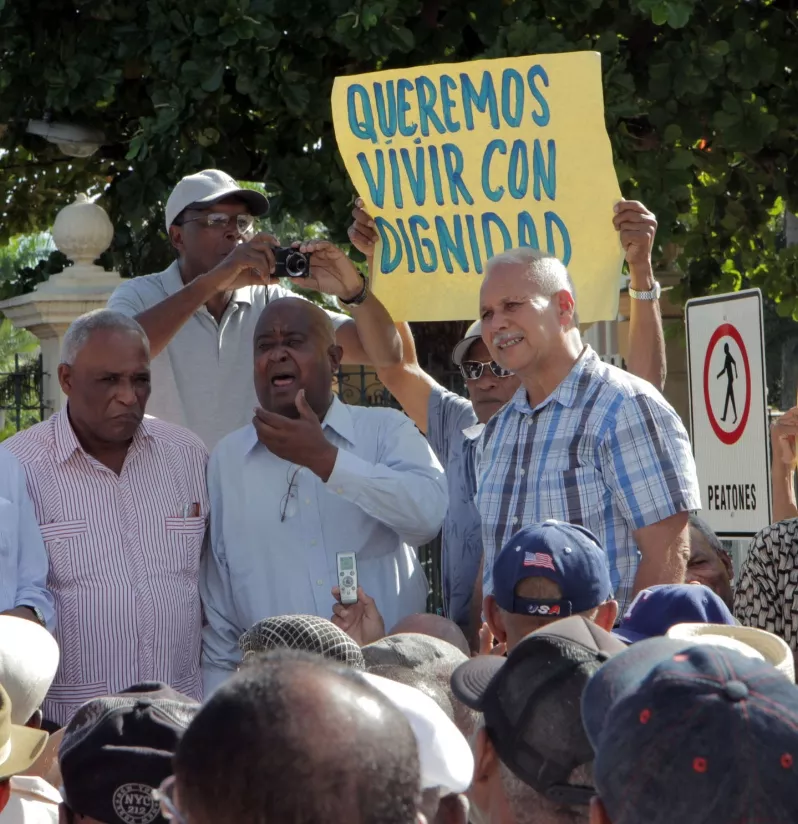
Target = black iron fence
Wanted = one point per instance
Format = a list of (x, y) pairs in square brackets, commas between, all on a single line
[(21, 394)]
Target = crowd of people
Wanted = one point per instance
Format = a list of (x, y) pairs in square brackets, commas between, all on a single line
[(173, 640)]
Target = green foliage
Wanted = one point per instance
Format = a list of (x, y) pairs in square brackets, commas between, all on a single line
[(701, 106)]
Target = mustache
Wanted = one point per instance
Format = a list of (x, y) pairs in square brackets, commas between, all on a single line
[(502, 337)]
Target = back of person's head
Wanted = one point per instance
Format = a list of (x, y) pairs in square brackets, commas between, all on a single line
[(118, 749), (434, 658), (28, 663), (692, 734), (307, 633), (418, 680), (546, 572), (298, 740), (434, 626), (656, 609), (531, 751)]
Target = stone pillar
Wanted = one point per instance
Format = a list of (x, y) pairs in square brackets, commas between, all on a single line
[(82, 231)]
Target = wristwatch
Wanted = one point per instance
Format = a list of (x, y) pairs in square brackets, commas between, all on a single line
[(37, 612), (651, 294), (359, 297)]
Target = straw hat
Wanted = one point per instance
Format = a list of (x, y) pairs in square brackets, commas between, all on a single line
[(769, 646)]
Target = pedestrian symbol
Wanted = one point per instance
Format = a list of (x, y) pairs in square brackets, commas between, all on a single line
[(727, 370), (727, 392)]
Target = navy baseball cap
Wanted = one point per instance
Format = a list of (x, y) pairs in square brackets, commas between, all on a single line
[(656, 609), (693, 734), (566, 554)]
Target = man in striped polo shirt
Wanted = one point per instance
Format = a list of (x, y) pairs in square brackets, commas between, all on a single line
[(122, 505), (581, 441)]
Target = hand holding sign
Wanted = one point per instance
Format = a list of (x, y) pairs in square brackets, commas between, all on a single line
[(362, 232), (331, 271), (783, 434), (638, 228)]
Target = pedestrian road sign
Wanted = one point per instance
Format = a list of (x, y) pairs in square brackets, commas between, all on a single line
[(728, 411)]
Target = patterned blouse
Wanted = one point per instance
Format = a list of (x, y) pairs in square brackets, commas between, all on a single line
[(767, 592)]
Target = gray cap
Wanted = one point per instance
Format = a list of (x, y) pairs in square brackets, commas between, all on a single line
[(411, 650), (473, 333)]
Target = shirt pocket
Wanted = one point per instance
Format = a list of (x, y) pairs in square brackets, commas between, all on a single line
[(66, 565), (574, 495), (187, 536)]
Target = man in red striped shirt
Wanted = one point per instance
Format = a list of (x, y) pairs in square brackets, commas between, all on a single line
[(122, 504)]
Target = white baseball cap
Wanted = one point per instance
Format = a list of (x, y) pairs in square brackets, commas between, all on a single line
[(207, 187), (473, 333), (446, 760), (760, 643), (28, 663)]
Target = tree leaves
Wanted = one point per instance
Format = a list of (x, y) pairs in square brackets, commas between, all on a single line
[(701, 106)]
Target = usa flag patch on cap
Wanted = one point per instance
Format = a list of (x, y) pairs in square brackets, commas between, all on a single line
[(539, 559)]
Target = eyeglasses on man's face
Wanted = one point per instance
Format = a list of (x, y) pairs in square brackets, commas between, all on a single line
[(221, 222), (472, 370)]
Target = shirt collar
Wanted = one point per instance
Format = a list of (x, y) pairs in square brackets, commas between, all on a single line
[(568, 389), (67, 443), (338, 418), (173, 283)]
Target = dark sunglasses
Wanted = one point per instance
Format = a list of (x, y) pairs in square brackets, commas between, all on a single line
[(472, 370)]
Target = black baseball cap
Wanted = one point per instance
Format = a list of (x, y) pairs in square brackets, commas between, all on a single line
[(531, 703), (117, 749)]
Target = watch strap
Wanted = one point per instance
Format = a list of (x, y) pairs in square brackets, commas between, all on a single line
[(358, 298), (37, 612), (650, 294)]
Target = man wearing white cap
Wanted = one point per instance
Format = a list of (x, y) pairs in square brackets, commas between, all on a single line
[(200, 312), (28, 663), (445, 757), (453, 424), (23, 559)]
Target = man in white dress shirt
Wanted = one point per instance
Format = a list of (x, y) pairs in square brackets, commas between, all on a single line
[(311, 477)]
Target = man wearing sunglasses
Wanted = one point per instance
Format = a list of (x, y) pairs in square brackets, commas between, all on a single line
[(453, 424), (200, 313)]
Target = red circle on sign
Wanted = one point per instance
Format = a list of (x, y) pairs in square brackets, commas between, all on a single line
[(729, 438)]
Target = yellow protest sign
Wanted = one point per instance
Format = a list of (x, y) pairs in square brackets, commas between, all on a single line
[(458, 162)]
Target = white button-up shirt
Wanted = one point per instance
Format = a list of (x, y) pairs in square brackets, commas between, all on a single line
[(385, 496), (203, 378), (124, 561), (23, 559)]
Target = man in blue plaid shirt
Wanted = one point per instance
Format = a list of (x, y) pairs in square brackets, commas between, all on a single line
[(580, 441)]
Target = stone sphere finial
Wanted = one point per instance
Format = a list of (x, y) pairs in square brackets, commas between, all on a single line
[(82, 231)]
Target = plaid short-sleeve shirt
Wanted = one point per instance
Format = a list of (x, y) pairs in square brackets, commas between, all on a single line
[(604, 450)]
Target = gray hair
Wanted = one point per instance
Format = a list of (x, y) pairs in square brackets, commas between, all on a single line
[(546, 271), (82, 328)]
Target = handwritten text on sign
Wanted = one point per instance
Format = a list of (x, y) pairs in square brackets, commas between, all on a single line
[(457, 163)]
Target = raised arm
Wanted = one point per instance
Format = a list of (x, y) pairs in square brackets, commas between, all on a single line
[(638, 227), (371, 336), (250, 263), (405, 380), (782, 437)]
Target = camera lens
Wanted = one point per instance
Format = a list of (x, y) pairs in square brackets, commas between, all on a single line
[(296, 265)]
